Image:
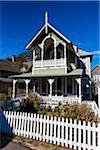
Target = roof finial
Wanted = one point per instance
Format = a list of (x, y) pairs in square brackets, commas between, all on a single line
[(46, 17), (46, 21)]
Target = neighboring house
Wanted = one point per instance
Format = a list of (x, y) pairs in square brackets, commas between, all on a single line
[(95, 74), (11, 68), (7, 69), (59, 70), (96, 80)]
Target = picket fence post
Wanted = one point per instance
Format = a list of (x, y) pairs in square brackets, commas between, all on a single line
[(47, 138), (34, 117), (58, 142), (98, 136), (51, 128), (25, 120), (40, 137), (31, 123), (84, 135), (37, 127)]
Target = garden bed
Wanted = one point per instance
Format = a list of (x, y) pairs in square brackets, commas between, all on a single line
[(74, 111)]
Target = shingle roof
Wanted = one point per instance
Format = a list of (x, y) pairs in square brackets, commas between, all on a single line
[(76, 72), (10, 66), (42, 73), (5, 79)]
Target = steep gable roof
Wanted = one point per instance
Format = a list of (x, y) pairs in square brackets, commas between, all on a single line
[(43, 32), (43, 29)]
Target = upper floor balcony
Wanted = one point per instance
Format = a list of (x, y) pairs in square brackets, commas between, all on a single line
[(50, 63), (52, 53)]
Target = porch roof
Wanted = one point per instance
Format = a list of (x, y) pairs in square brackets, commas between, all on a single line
[(49, 73), (76, 72), (5, 79)]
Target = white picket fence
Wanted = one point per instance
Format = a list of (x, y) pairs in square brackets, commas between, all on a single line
[(69, 133)]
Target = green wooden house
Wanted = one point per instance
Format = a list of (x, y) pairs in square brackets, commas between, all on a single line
[(59, 70)]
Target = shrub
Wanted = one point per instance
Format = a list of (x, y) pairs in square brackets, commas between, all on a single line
[(78, 112), (3, 97), (32, 103), (32, 97), (37, 105), (74, 111), (7, 96)]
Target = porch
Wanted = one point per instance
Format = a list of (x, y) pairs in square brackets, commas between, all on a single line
[(51, 90)]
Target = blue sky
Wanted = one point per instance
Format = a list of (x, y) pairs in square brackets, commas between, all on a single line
[(78, 21)]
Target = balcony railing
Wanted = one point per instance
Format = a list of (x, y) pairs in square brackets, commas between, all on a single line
[(49, 63)]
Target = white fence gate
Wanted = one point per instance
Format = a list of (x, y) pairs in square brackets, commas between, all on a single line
[(69, 133)]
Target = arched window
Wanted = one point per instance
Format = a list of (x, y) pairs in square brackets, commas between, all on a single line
[(60, 51), (48, 49)]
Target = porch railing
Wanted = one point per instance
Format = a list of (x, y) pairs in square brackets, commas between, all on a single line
[(48, 63), (55, 100), (94, 107)]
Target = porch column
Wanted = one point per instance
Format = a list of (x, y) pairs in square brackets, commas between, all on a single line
[(80, 93), (51, 82), (14, 82), (27, 81)]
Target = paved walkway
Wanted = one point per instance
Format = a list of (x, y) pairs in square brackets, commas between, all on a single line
[(14, 146)]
